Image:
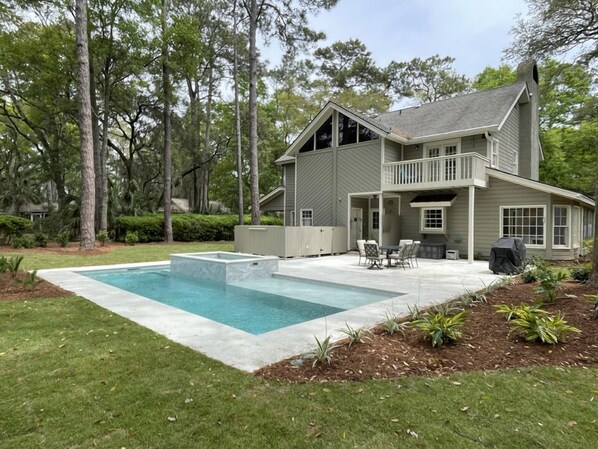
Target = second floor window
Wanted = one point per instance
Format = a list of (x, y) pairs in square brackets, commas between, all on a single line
[(493, 152)]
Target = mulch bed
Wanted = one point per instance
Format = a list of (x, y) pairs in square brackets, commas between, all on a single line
[(485, 345), (12, 290)]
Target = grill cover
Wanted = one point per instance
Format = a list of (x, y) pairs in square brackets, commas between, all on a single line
[(506, 255)]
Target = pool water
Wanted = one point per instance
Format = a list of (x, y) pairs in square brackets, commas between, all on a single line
[(257, 306)]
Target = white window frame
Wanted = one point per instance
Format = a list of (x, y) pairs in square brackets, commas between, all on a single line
[(441, 145), (374, 211), (525, 206), (422, 222), (493, 152), (311, 212), (569, 217)]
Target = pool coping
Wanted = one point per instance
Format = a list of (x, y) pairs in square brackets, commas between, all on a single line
[(432, 281)]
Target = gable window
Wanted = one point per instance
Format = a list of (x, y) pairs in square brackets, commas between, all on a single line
[(307, 146), (560, 227), (432, 220), (524, 222), (307, 217), (324, 135), (493, 152), (349, 131)]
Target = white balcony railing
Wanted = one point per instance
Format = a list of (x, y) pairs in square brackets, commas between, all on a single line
[(459, 170)]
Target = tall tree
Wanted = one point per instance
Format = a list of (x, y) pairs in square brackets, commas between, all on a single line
[(87, 217), (556, 27), (238, 141), (167, 92), (287, 21), (427, 80)]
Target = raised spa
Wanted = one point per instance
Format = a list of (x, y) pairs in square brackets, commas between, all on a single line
[(223, 266)]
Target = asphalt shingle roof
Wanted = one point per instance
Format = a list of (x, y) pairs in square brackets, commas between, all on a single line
[(482, 109)]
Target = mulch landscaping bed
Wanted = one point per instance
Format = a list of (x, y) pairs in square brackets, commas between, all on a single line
[(11, 290), (485, 345)]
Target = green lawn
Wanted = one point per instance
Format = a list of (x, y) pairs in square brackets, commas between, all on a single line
[(73, 375)]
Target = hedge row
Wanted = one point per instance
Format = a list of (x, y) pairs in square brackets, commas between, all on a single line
[(11, 226), (185, 228)]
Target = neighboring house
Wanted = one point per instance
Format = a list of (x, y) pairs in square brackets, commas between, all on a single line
[(35, 212), (456, 174)]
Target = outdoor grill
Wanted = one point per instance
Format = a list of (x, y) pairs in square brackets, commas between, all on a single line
[(506, 255)]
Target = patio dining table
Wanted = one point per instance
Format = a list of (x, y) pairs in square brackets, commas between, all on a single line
[(389, 250)]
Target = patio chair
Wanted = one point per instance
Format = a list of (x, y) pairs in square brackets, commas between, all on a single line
[(402, 257), (361, 250), (373, 256), (414, 251)]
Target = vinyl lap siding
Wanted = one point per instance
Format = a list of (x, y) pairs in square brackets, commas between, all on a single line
[(289, 192), (392, 151), (508, 143), (358, 170), (474, 144), (314, 186)]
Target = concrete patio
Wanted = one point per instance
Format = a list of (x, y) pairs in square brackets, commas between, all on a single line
[(433, 281)]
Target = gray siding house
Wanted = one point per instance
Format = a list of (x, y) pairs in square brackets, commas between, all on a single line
[(456, 174)]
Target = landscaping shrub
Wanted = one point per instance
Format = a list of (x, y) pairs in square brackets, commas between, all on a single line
[(63, 239), (551, 329), (102, 237), (441, 328), (13, 264), (11, 226), (41, 239), (185, 228), (323, 352), (22, 241), (533, 268), (550, 284), (581, 273), (132, 238)]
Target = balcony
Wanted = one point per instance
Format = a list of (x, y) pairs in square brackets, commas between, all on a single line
[(459, 170)]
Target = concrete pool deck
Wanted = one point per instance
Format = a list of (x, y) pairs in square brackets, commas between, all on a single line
[(432, 282)]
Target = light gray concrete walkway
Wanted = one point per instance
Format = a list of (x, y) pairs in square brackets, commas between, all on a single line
[(433, 281)]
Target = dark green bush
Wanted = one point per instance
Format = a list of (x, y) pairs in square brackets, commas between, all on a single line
[(11, 226), (185, 228), (581, 273), (41, 239), (132, 238), (63, 239), (22, 241)]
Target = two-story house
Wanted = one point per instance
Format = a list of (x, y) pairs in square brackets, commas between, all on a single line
[(457, 173)]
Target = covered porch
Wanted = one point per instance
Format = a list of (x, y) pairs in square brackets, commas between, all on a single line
[(438, 218)]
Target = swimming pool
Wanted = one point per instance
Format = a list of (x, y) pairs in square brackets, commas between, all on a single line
[(255, 306)]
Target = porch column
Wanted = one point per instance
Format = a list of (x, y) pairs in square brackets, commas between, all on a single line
[(380, 220), (470, 224)]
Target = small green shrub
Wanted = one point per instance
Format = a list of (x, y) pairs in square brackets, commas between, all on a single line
[(102, 237), (581, 273), (323, 352), (3, 264), (414, 312), (511, 311), (551, 329), (448, 307), (391, 326), (132, 238), (41, 239), (355, 335), (533, 268), (63, 239), (30, 280), (22, 241), (440, 328), (12, 264), (471, 298), (550, 284), (11, 226)]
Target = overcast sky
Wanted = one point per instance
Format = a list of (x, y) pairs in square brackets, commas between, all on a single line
[(474, 32)]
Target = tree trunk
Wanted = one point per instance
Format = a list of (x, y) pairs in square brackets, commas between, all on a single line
[(238, 118), (594, 276), (253, 150), (167, 128), (97, 147), (85, 129)]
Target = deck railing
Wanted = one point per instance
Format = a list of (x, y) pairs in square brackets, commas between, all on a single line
[(458, 170)]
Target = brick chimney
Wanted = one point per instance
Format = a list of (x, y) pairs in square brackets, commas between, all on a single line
[(529, 122)]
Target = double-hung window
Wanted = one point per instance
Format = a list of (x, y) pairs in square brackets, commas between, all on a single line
[(307, 217), (560, 227), (524, 222), (432, 220), (493, 152)]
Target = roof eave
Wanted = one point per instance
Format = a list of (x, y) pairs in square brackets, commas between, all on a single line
[(454, 134)]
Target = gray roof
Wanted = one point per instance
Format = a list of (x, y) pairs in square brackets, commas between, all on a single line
[(484, 109)]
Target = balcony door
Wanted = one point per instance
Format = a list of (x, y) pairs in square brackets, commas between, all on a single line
[(444, 169)]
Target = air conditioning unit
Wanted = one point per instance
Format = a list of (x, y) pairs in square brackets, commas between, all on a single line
[(452, 254)]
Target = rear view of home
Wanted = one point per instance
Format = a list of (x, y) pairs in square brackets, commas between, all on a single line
[(456, 174)]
